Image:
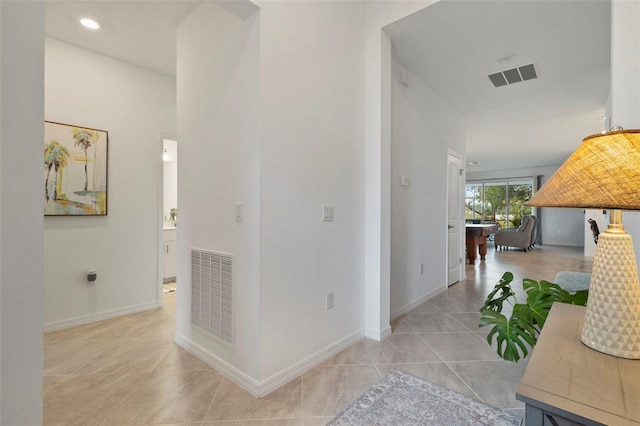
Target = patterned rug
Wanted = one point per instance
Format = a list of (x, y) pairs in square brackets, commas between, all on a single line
[(402, 399)]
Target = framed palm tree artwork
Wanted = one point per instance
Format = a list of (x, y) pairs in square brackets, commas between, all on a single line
[(75, 170)]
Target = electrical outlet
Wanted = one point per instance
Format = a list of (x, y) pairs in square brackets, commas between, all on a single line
[(329, 303)]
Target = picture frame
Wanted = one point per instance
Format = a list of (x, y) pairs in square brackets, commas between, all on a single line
[(75, 170)]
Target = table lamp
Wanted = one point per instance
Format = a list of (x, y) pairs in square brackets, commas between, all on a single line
[(604, 173)]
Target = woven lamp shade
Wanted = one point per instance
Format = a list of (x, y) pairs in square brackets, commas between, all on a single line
[(603, 173)]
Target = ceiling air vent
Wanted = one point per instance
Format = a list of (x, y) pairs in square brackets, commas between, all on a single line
[(513, 75)]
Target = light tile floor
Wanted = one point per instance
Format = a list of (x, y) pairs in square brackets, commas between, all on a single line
[(128, 371)]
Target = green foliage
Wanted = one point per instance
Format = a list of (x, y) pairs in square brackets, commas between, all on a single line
[(504, 288), (55, 155), (84, 138), (516, 334), (511, 333), (501, 202)]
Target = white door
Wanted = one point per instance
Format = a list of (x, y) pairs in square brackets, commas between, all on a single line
[(454, 218)]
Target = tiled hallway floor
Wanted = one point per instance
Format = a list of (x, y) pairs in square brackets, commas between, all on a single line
[(128, 371)]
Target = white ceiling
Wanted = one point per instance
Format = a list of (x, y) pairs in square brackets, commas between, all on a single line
[(451, 46), (142, 33), (454, 45)]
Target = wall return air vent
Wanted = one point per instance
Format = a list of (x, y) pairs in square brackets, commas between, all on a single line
[(513, 75), (212, 293)]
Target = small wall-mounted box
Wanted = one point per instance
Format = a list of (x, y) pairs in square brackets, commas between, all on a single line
[(92, 276), (327, 213)]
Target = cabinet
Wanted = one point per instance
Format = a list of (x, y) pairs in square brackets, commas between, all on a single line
[(169, 255), (567, 383)]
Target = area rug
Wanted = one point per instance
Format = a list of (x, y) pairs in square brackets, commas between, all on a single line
[(402, 399)]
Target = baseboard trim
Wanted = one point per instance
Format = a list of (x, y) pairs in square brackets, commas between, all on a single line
[(379, 335), (241, 379), (99, 316), (396, 313), (274, 382), (262, 388)]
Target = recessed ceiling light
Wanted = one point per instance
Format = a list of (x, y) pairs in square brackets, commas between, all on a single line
[(474, 163), (89, 23)]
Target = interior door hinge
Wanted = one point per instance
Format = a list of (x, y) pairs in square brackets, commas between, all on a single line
[(461, 171)]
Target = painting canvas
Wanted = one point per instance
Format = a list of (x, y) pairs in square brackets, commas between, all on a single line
[(75, 170)]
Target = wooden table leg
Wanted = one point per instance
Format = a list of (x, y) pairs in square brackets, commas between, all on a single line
[(475, 244), (482, 246), (472, 249)]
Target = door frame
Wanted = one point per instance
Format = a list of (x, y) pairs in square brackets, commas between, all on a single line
[(461, 242), (160, 218)]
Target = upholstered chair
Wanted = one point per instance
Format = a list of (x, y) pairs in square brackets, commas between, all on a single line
[(521, 237)]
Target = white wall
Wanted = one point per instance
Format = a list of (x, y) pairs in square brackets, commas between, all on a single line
[(21, 222), (423, 128), (304, 149), (283, 132), (218, 129), (312, 154), (170, 179), (378, 161), (562, 227), (625, 84), (625, 64), (135, 106)]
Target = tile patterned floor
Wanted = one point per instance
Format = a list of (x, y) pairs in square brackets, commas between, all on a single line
[(128, 371)]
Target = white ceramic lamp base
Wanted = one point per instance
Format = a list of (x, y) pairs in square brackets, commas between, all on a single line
[(612, 321)]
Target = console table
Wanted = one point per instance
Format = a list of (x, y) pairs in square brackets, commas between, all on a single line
[(568, 383)]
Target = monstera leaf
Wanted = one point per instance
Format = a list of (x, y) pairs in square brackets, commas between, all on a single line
[(544, 288), (504, 288), (514, 335), (580, 298)]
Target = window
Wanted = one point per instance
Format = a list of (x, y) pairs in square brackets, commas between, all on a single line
[(498, 201)]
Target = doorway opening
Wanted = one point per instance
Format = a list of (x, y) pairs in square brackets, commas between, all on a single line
[(455, 246), (169, 214)]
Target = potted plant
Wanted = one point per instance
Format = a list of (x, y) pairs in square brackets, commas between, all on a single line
[(517, 333)]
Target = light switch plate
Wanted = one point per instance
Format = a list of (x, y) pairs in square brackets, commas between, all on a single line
[(239, 212), (327, 213), (329, 301)]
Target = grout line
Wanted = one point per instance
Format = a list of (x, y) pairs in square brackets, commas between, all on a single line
[(432, 349), (375, 365), (463, 381), (126, 395), (215, 394)]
